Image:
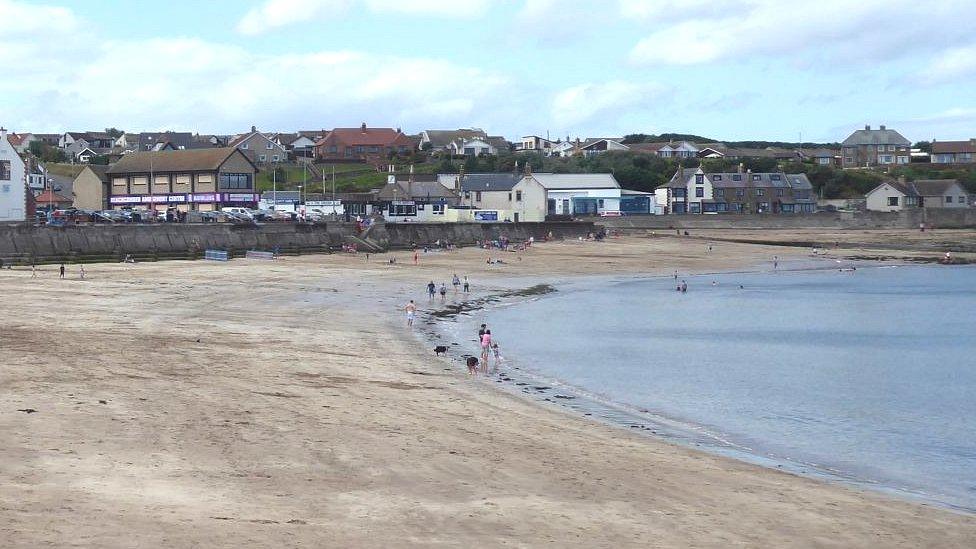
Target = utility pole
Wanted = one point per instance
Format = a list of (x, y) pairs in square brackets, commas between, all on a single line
[(274, 188), (152, 205)]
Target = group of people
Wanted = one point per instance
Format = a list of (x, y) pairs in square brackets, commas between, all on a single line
[(432, 289), (488, 347)]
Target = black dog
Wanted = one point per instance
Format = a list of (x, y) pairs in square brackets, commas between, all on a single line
[(440, 350)]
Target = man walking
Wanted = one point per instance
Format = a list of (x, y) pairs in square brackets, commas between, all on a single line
[(431, 289), (456, 282), (411, 309), (62, 271)]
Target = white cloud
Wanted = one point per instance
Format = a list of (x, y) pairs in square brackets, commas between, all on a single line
[(584, 103), (949, 66), (274, 14), (838, 32)]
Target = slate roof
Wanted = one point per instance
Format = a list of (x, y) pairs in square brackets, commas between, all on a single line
[(148, 140), (489, 181), (419, 189), (100, 171), (868, 136), (442, 138), (933, 187), (366, 136), (173, 161)]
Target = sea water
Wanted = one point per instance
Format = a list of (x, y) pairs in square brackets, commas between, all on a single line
[(866, 375)]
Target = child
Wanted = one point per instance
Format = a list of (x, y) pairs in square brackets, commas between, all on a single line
[(472, 365), (494, 349)]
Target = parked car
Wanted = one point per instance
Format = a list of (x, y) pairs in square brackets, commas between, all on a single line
[(240, 212)]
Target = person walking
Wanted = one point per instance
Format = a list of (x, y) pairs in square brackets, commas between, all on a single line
[(467, 286), (416, 257), (485, 348), (443, 291), (81, 272), (61, 271), (456, 282), (411, 310), (33, 271), (431, 289)]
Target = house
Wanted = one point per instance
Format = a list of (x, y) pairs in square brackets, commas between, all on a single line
[(90, 189), (954, 152), (534, 143), (681, 149), (579, 193), (820, 156), (414, 197), (478, 146), (259, 148), (881, 147), (693, 191), (363, 144), (593, 146), (192, 179), (13, 182), (512, 196), (299, 144), (440, 141), (21, 141), (49, 201), (52, 139), (892, 196), (95, 140)]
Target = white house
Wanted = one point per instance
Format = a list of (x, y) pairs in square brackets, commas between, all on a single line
[(893, 196), (579, 193), (474, 146), (13, 185), (682, 149)]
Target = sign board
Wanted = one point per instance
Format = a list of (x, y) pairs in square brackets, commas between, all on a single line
[(326, 203), (204, 197), (486, 215), (240, 197), (125, 199)]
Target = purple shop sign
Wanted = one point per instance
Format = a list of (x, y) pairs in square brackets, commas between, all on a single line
[(204, 197), (124, 199)]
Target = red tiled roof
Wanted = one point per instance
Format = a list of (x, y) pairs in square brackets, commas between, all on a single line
[(942, 147), (49, 197), (15, 139), (366, 136)]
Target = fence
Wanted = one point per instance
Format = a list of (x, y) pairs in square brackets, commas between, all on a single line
[(254, 254), (216, 255)]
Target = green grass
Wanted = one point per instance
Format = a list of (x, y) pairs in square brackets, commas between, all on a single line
[(349, 177)]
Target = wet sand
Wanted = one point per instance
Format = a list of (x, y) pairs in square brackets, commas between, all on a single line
[(284, 404)]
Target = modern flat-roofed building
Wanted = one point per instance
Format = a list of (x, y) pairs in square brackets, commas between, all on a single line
[(194, 179)]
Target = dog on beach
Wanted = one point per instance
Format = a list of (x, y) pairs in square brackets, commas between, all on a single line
[(440, 350)]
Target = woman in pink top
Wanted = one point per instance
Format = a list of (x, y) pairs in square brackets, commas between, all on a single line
[(485, 347)]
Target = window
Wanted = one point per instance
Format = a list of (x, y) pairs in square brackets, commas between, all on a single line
[(740, 193), (892, 200), (694, 207), (880, 148), (509, 197), (717, 177), (467, 195), (477, 196), (235, 181), (762, 206), (848, 160), (735, 207), (183, 179), (948, 200), (269, 146), (469, 151), (360, 149), (719, 193), (788, 208), (4, 170), (699, 192), (5, 188), (756, 177), (962, 199), (680, 193), (891, 148), (709, 207), (760, 192), (910, 200), (438, 209), (518, 196), (244, 146), (374, 149), (737, 177), (699, 179), (722, 207), (884, 159), (779, 192), (774, 177), (403, 209), (599, 203), (333, 149), (119, 182), (274, 158)]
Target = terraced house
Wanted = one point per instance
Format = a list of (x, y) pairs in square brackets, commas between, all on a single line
[(693, 191), (879, 147), (363, 144)]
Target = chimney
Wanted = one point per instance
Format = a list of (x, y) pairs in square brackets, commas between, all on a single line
[(972, 142), (3, 134), (254, 129), (528, 168), (882, 127), (741, 167), (363, 128), (516, 167), (867, 126), (390, 175), (902, 179)]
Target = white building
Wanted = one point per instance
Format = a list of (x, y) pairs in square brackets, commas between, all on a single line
[(13, 185), (893, 196), (579, 193)]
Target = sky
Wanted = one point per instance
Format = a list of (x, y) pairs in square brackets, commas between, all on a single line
[(728, 70)]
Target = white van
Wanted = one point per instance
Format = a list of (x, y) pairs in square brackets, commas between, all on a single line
[(243, 212)]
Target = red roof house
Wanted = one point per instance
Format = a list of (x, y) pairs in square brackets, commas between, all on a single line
[(362, 144)]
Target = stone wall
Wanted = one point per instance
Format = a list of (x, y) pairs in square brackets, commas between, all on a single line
[(23, 244), (943, 218)]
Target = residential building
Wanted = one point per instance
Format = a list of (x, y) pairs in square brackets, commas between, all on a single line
[(407, 197), (49, 201), (259, 148), (363, 144), (534, 143), (90, 189), (820, 156), (579, 193), (13, 182), (881, 147), (514, 197), (954, 152), (593, 146), (681, 149), (193, 179), (693, 191), (477, 146), (892, 196), (21, 141), (447, 141), (299, 144)]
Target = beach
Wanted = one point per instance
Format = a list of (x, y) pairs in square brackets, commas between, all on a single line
[(285, 404)]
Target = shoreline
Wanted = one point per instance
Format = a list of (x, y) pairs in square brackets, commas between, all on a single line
[(517, 378), (259, 403)]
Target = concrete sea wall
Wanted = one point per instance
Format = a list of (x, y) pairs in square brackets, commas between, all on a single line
[(941, 218), (25, 244)]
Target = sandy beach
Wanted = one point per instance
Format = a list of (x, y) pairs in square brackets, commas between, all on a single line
[(285, 404)]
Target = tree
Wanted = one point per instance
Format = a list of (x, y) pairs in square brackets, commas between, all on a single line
[(924, 146), (114, 132), (46, 153)]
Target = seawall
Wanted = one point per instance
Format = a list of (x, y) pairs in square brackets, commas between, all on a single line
[(25, 244), (939, 218)]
